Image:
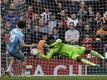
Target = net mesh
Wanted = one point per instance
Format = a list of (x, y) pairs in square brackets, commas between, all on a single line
[(47, 19)]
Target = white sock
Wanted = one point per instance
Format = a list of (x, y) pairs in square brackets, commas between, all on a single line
[(9, 67)]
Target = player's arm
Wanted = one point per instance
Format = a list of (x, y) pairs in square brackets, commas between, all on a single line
[(48, 56), (58, 41), (27, 45), (22, 43)]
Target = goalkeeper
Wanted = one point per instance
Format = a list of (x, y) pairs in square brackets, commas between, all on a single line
[(72, 52)]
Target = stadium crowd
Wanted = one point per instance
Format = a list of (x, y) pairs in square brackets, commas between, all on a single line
[(75, 22)]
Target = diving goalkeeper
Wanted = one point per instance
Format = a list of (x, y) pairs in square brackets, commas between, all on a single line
[(72, 52)]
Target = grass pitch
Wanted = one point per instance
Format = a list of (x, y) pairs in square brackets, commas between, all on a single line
[(56, 78)]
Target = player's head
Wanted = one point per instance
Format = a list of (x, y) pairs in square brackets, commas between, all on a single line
[(21, 24)]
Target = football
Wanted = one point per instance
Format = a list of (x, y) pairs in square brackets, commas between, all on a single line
[(34, 51)]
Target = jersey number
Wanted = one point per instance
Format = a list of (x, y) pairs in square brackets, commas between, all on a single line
[(12, 38)]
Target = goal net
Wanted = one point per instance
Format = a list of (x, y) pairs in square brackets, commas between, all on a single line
[(51, 19)]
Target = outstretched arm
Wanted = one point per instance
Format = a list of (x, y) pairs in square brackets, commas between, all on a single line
[(48, 56), (27, 45), (58, 41)]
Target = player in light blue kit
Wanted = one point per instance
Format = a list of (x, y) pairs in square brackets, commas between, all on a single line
[(13, 47)]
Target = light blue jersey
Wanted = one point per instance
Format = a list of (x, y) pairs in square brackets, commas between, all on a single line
[(13, 46), (16, 38)]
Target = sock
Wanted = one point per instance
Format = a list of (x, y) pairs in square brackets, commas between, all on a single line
[(87, 62), (96, 54), (9, 67)]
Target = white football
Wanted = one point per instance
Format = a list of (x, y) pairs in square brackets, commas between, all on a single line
[(34, 51)]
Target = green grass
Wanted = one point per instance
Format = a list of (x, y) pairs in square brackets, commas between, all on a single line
[(56, 78)]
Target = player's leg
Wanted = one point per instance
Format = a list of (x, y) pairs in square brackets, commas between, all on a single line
[(78, 58), (24, 63), (9, 69), (94, 53), (10, 64), (20, 56)]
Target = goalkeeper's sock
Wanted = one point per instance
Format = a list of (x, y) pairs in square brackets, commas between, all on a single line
[(87, 62), (96, 54)]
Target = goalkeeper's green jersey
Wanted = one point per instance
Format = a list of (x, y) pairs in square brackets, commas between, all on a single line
[(64, 49)]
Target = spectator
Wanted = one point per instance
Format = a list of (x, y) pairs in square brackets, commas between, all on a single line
[(6, 30), (97, 17), (92, 22), (63, 17), (87, 42), (58, 7), (11, 17), (73, 7), (97, 20), (98, 44), (4, 6), (102, 32), (16, 2), (54, 35), (80, 24), (29, 25), (46, 15), (87, 30), (82, 11), (36, 36), (13, 6), (52, 23), (43, 26), (101, 38), (73, 19), (90, 11), (43, 21), (62, 30), (72, 35), (30, 13), (8, 26)]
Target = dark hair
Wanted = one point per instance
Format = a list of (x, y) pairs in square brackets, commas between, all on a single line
[(21, 24), (71, 23), (55, 28)]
